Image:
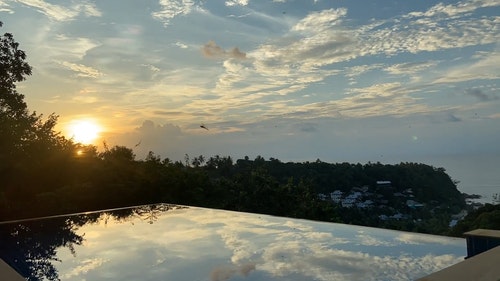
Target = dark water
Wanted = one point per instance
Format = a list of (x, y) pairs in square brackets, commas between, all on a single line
[(477, 174)]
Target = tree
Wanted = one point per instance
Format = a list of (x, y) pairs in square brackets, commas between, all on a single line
[(496, 198), (28, 144), (14, 116), (21, 131), (13, 69)]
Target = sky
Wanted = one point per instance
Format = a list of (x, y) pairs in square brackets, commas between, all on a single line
[(340, 81)]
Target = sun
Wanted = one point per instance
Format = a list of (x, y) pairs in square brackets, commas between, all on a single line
[(84, 131)]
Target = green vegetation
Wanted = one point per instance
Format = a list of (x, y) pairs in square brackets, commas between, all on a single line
[(42, 173), (487, 217)]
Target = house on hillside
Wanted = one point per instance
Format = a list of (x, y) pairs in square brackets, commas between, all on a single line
[(384, 184), (322, 196), (413, 204), (336, 196)]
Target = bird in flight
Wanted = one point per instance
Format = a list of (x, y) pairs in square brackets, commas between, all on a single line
[(204, 127), (137, 144)]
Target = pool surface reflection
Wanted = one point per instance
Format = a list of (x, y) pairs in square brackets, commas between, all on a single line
[(168, 242)]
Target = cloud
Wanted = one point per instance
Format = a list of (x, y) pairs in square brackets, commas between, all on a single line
[(409, 68), (223, 273), (451, 10), (61, 13), (149, 129), (370, 240), (230, 3), (4, 7), (81, 70), (481, 96), (427, 35), (357, 70), (172, 8), (153, 137), (70, 48), (88, 9), (487, 67), (272, 248), (85, 266), (181, 45), (320, 21), (323, 41), (212, 50), (420, 239), (85, 99)]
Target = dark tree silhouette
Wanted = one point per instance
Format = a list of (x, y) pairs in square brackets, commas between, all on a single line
[(29, 146)]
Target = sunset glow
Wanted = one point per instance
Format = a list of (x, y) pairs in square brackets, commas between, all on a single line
[(84, 131)]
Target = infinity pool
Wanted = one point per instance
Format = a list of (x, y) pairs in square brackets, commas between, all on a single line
[(169, 242)]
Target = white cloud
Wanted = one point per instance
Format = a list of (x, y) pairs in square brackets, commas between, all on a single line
[(409, 68), (487, 68), (319, 21), (81, 70), (419, 239), (255, 244), (455, 9), (357, 70), (181, 45), (4, 7), (325, 41), (230, 3), (69, 48), (88, 9), (428, 36), (172, 8), (85, 266), (61, 13)]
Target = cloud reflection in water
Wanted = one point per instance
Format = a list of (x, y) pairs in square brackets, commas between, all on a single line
[(213, 245)]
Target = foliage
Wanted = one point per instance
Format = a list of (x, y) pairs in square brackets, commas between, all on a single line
[(487, 217)]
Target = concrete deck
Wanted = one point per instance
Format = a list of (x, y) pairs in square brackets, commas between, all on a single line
[(484, 233), (482, 267), (7, 273)]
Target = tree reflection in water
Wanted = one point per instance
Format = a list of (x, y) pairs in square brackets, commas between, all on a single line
[(30, 246)]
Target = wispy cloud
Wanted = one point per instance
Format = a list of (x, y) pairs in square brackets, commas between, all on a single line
[(410, 68), (62, 13), (317, 22), (482, 96), (486, 68), (85, 266), (452, 10), (81, 70), (4, 7)]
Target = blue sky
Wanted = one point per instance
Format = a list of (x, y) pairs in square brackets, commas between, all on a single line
[(352, 81)]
